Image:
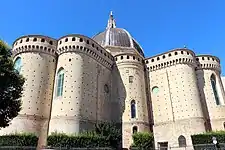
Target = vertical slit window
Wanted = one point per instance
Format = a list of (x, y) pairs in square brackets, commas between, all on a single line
[(215, 92), (133, 109), (60, 82)]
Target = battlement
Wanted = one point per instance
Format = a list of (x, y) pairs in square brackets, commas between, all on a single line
[(170, 58), (129, 58), (208, 62), (83, 44), (35, 43)]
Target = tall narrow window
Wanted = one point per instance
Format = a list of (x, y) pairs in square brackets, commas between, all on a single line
[(60, 82), (213, 83), (135, 129), (182, 141), (133, 109), (17, 64)]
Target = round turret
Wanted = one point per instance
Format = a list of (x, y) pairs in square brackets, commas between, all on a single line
[(211, 91), (175, 96), (208, 62), (35, 58), (136, 109), (83, 79)]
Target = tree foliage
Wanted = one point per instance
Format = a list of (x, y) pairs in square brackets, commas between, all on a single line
[(206, 138), (24, 139), (111, 132), (143, 140), (104, 135), (11, 87), (107, 135), (82, 140)]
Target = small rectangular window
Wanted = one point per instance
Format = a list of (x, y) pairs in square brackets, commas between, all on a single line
[(131, 79), (163, 145)]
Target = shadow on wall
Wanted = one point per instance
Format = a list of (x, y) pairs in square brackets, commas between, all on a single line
[(201, 85), (118, 96), (103, 106), (96, 103), (149, 100)]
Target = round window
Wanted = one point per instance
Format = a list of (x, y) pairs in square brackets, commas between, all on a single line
[(155, 89)]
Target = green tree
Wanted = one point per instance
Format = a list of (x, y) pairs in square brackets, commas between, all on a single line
[(11, 87), (111, 131), (143, 140)]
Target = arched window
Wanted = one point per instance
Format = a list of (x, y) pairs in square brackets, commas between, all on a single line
[(182, 141), (133, 109), (60, 82), (224, 125), (17, 64), (135, 129), (213, 84)]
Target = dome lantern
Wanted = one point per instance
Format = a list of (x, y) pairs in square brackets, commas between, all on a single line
[(111, 21)]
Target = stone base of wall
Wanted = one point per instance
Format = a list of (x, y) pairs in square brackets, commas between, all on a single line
[(218, 124), (23, 124), (170, 131), (70, 125)]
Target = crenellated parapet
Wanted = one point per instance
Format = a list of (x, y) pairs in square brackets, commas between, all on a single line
[(208, 62), (35, 43), (82, 44), (171, 58), (129, 58)]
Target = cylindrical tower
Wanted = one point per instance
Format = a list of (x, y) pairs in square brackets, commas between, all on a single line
[(82, 85), (135, 114), (175, 98), (129, 77), (211, 90), (35, 58)]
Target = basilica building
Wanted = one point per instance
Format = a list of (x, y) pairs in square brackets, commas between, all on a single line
[(74, 81)]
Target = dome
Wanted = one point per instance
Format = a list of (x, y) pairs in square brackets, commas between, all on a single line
[(113, 36)]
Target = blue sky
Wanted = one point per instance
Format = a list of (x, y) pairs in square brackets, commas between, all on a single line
[(158, 25)]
